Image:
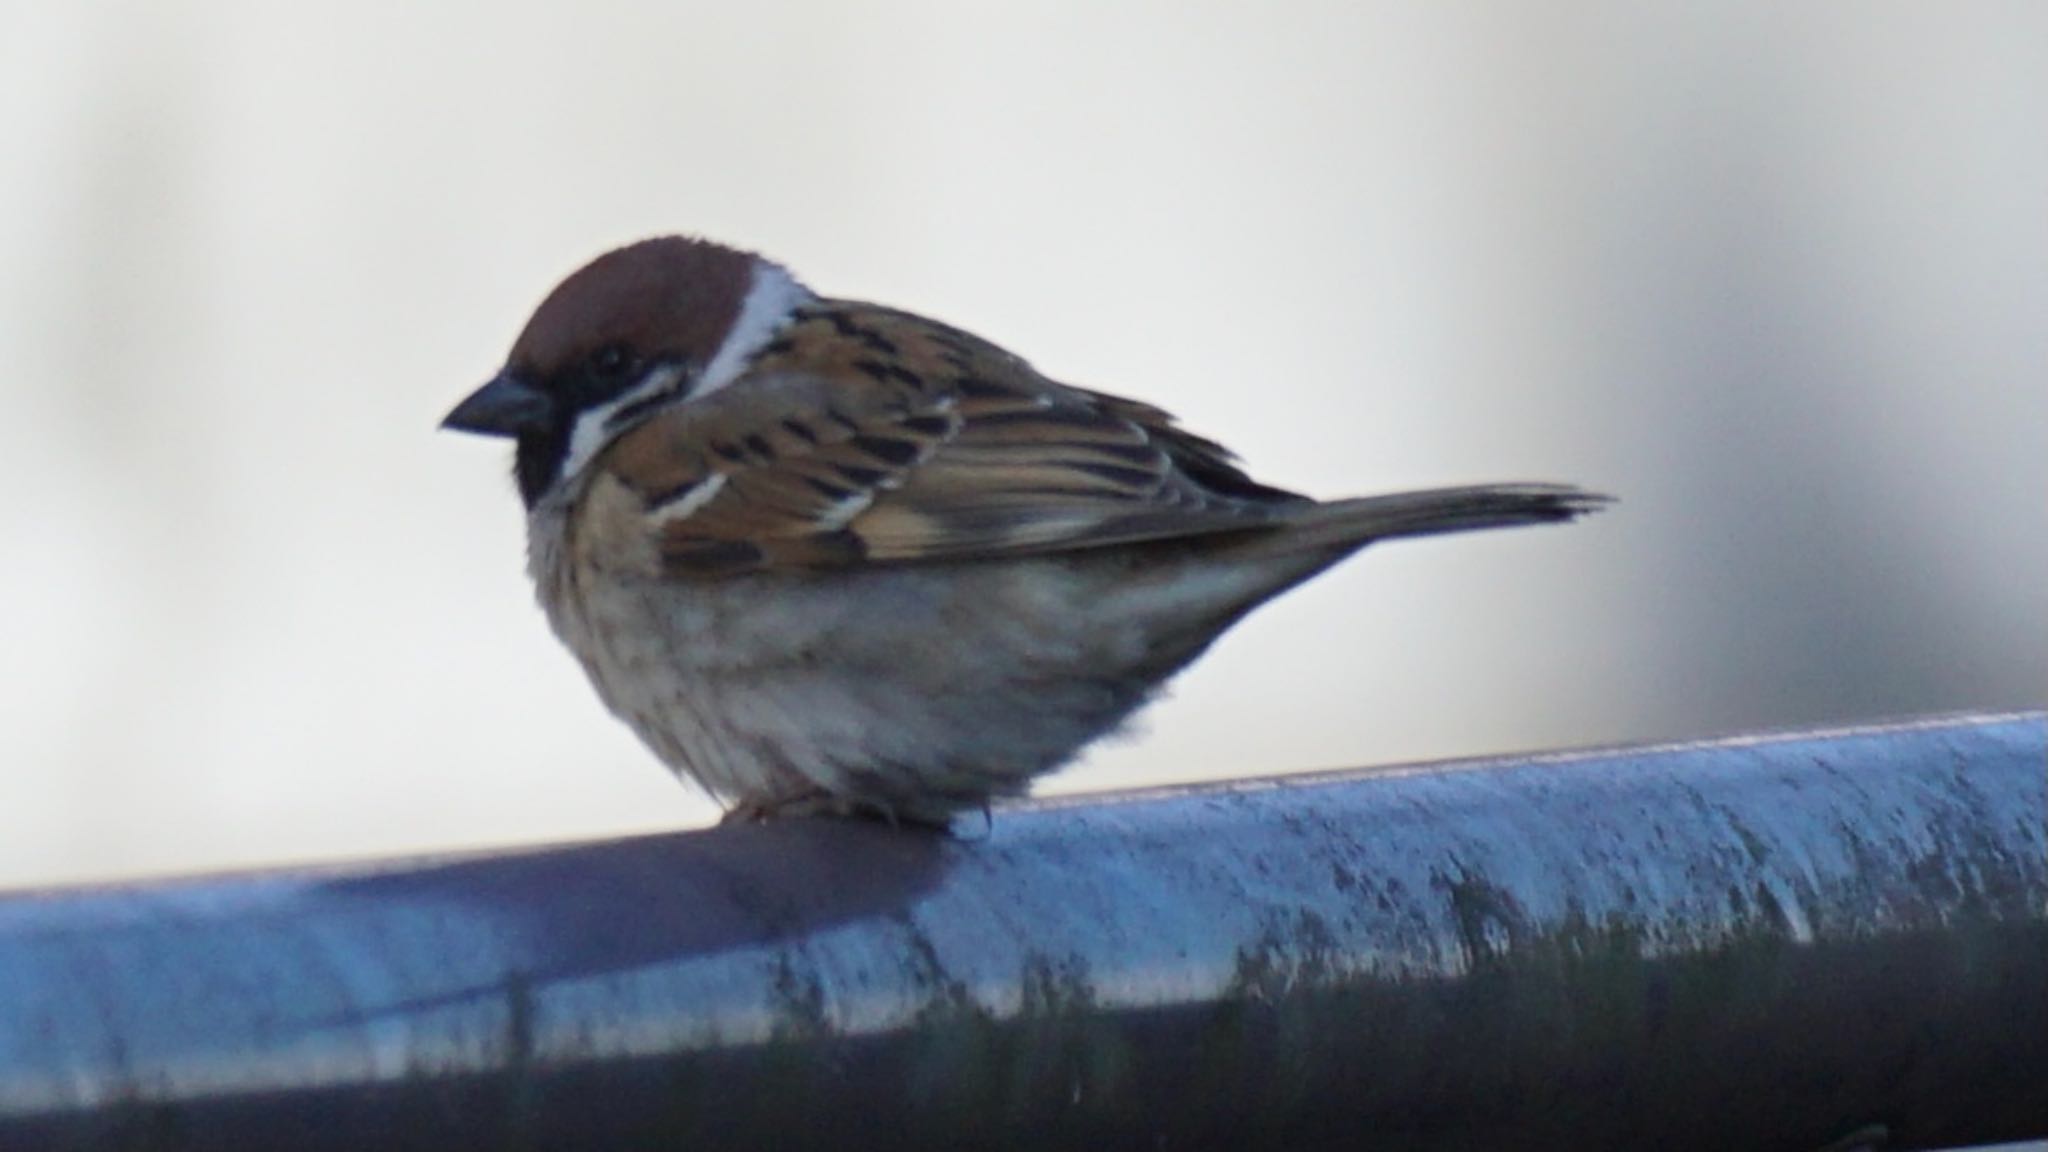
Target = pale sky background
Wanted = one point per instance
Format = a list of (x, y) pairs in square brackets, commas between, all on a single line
[(1776, 274)]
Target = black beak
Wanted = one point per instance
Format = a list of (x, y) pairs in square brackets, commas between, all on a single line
[(506, 406)]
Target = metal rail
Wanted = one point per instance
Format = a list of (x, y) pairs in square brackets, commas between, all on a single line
[(1764, 942)]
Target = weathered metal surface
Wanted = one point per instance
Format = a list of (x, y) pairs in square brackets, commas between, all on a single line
[(1765, 942)]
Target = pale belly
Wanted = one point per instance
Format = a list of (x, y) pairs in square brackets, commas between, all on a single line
[(899, 688)]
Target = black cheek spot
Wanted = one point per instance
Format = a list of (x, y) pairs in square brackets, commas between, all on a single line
[(759, 446), (631, 413)]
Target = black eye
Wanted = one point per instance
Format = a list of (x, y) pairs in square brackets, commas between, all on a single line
[(612, 361)]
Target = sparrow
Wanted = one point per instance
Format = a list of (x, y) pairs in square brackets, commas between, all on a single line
[(827, 557)]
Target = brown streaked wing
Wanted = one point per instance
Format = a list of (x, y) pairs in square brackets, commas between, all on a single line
[(938, 446)]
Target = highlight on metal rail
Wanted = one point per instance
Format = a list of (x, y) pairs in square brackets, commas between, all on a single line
[(1773, 941)]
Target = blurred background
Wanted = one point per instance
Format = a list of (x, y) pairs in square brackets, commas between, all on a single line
[(1777, 275)]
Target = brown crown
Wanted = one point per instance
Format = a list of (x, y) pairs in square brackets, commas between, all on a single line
[(670, 296)]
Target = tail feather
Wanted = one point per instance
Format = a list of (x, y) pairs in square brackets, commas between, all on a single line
[(1195, 600), (1356, 522)]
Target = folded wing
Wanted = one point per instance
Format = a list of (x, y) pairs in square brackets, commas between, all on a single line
[(870, 436)]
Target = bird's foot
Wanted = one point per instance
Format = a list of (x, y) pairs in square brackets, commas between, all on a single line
[(835, 807)]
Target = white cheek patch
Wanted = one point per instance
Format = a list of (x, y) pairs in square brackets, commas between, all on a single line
[(593, 430), (771, 298)]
